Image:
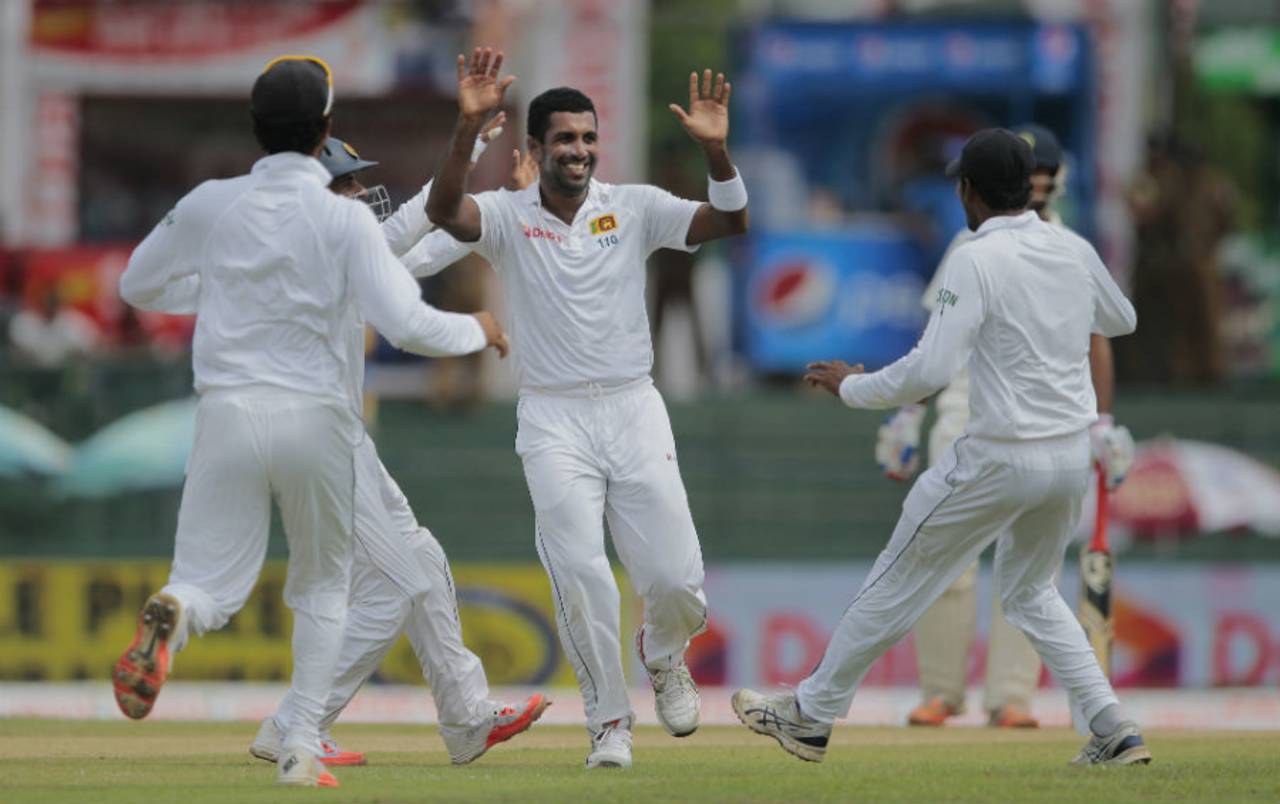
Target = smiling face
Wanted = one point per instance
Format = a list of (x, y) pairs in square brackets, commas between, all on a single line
[(567, 153)]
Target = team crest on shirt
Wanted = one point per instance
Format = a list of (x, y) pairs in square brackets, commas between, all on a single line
[(604, 223)]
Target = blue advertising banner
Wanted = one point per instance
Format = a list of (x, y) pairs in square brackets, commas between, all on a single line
[(853, 294), (886, 58)]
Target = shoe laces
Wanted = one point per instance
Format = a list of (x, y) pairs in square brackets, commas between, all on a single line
[(613, 732), (677, 678)]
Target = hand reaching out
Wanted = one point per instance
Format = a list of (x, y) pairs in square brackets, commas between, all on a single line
[(707, 120), (480, 91), (830, 373)]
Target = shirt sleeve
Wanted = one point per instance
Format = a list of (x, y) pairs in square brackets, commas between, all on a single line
[(169, 253), (434, 253), (180, 297), (390, 300), (666, 219), (1113, 314), (494, 229), (409, 223), (943, 351)]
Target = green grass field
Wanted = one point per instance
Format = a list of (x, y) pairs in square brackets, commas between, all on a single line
[(105, 762)]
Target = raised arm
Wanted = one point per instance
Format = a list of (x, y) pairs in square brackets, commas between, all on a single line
[(707, 121), (408, 225), (480, 92)]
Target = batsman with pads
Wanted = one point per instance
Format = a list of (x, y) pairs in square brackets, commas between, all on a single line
[(945, 633)]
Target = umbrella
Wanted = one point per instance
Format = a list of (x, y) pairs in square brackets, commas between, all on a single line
[(147, 449), (27, 447), (1186, 487)]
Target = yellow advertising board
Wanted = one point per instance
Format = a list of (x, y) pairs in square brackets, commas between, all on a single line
[(67, 620)]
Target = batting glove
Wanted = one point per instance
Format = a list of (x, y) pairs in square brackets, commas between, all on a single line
[(1112, 449), (898, 443)]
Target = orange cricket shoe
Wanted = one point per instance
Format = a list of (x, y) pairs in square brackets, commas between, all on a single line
[(933, 712), (334, 756), (1011, 716), (506, 721), (141, 671)]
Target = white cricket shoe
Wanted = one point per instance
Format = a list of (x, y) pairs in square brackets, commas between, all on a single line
[(266, 745), (675, 695), (1124, 746), (611, 747), (298, 768), (467, 744), (779, 717)]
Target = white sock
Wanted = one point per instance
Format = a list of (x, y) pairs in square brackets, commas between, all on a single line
[(1105, 723)]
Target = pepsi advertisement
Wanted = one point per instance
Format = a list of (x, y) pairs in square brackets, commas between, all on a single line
[(852, 294)]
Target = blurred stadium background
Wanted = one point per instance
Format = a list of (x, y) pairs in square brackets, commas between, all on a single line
[(844, 113)]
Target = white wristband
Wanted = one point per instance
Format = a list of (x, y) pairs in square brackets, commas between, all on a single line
[(728, 196), (478, 150)]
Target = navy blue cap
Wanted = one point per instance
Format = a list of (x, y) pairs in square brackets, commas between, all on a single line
[(995, 158), (1044, 146)]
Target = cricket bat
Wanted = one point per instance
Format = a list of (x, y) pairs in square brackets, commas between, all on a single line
[(1096, 572)]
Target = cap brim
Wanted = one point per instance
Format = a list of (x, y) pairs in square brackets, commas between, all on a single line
[(953, 168), (354, 167)]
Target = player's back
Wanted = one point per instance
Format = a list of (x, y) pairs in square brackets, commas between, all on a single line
[(273, 304), (1041, 298)]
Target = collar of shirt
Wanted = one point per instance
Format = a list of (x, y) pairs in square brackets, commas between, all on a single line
[(293, 162), (1005, 222), (597, 194)]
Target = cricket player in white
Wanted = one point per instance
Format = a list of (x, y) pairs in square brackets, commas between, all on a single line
[(593, 433), (401, 582), (1017, 305), (946, 630), (285, 268)]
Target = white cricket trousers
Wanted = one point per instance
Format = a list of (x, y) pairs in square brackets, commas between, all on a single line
[(609, 453), (400, 584), (945, 632), (252, 444), (1026, 494)]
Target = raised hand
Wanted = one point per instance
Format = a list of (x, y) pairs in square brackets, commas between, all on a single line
[(493, 129), (480, 91), (524, 170), (707, 120)]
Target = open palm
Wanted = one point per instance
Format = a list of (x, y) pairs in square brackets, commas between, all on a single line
[(480, 91), (707, 119)]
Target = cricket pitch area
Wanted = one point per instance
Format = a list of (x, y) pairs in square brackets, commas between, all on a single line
[(192, 762)]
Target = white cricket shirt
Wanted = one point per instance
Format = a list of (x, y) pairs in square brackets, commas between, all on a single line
[(575, 292), (1016, 305), (285, 269)]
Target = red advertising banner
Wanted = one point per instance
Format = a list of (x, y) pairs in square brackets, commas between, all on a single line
[(144, 29)]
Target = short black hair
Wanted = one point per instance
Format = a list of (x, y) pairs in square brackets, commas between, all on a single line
[(560, 99), (1002, 197), (303, 137)]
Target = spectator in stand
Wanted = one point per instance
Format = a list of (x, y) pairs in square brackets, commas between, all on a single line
[(49, 335)]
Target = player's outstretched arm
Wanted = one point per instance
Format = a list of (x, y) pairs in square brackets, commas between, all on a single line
[(480, 92), (707, 121)]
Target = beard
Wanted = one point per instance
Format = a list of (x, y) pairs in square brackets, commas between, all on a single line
[(565, 183)]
